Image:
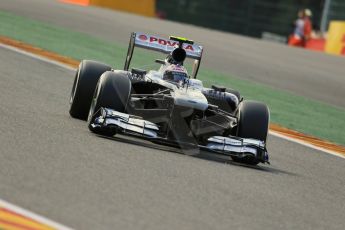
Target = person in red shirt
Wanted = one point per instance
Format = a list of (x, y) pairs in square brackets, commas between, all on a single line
[(307, 26)]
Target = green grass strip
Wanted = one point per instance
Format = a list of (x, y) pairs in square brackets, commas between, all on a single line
[(294, 112)]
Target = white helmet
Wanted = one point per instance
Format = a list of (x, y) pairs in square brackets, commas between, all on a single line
[(307, 12)]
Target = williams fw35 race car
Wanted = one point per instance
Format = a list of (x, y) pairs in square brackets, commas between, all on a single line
[(167, 105)]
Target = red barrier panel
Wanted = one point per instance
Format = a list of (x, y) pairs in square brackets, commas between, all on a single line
[(316, 44), (77, 2)]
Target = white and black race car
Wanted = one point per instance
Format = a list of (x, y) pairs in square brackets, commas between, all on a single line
[(168, 105)]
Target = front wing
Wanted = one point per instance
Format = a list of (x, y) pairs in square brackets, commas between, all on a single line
[(133, 125)]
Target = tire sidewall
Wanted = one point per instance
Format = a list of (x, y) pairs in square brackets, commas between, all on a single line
[(87, 76), (253, 121), (112, 91)]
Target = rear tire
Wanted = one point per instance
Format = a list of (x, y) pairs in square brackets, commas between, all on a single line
[(112, 91), (253, 121), (84, 85)]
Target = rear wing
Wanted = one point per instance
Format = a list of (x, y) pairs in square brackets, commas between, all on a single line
[(162, 45)]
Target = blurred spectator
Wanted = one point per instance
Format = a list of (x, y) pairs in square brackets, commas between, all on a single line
[(303, 29), (307, 25)]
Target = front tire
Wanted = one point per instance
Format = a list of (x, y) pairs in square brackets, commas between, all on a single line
[(112, 91), (253, 121), (84, 85)]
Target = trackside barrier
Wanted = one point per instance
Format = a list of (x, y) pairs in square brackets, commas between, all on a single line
[(77, 2), (142, 7), (316, 44), (336, 38)]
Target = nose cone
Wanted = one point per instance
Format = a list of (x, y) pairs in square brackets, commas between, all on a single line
[(190, 98)]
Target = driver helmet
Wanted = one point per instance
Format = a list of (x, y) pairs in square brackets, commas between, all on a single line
[(175, 73)]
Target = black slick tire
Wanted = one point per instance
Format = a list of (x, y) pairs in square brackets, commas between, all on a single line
[(112, 91), (253, 121), (84, 85)]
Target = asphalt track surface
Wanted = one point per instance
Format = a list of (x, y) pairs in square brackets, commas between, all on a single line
[(52, 165), (311, 74)]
